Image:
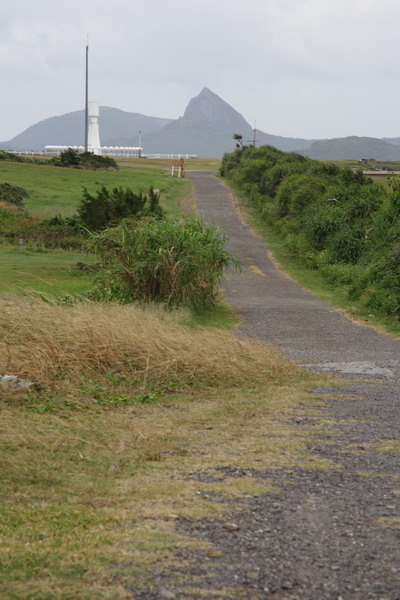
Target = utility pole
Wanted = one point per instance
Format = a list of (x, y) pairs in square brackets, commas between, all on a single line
[(87, 97), (254, 140), (255, 133)]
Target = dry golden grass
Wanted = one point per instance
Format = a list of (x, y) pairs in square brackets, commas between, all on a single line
[(45, 341)]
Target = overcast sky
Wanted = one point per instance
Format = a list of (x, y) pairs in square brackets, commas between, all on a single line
[(301, 68)]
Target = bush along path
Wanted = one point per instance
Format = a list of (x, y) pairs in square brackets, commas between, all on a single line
[(330, 219), (330, 533)]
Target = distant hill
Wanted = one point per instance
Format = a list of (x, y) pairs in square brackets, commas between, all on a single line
[(68, 129), (206, 129), (353, 148), (395, 140)]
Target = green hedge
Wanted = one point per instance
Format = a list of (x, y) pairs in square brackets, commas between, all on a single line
[(332, 219)]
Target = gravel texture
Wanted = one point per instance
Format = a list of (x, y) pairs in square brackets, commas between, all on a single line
[(328, 534)]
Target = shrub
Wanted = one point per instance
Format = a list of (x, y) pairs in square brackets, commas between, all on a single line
[(10, 156), (342, 274), (12, 194), (386, 277), (96, 162), (58, 232), (331, 218), (347, 244), (108, 207), (297, 192), (298, 247), (85, 160), (69, 158), (349, 177), (320, 223), (251, 171), (273, 177), (175, 262), (229, 162)]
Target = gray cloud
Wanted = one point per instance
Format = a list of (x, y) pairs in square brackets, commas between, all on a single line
[(307, 68)]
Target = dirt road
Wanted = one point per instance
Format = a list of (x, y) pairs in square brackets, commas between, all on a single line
[(332, 534)]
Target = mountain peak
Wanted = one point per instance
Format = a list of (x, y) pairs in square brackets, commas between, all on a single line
[(210, 108), (206, 92)]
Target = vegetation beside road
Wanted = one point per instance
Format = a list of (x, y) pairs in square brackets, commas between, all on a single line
[(323, 218)]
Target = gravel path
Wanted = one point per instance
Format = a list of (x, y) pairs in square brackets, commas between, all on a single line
[(325, 536)]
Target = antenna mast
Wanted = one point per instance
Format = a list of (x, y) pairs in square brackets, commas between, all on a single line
[(87, 97)]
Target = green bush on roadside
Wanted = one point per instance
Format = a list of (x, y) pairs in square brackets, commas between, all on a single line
[(179, 263), (333, 219)]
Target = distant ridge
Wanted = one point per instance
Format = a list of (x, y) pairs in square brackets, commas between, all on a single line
[(353, 147), (205, 129)]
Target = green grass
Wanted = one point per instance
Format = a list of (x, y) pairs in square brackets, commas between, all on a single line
[(195, 164), (53, 271), (45, 271), (57, 190), (354, 164), (220, 317)]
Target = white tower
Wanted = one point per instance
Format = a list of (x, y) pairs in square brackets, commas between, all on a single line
[(93, 132)]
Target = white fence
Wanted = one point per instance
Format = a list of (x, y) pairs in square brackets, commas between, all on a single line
[(169, 156), (107, 150)]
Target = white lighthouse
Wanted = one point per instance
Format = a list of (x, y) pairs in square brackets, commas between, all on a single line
[(92, 135), (93, 129)]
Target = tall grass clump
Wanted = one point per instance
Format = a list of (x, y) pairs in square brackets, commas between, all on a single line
[(179, 263), (47, 343)]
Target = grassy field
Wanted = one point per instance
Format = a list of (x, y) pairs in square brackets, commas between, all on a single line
[(195, 164), (48, 271), (97, 464), (57, 190)]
